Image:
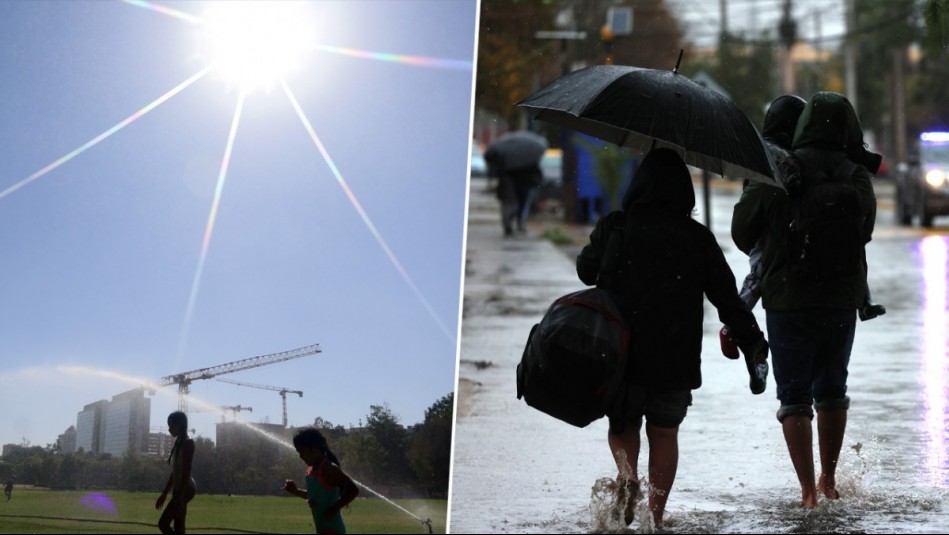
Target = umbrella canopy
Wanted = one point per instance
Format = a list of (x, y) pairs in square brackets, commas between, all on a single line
[(516, 150), (648, 108)]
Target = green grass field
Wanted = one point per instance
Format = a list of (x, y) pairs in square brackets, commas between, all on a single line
[(49, 511)]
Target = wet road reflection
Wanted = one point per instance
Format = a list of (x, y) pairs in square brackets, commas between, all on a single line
[(934, 375)]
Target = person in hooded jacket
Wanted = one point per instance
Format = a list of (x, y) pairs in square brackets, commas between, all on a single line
[(663, 267), (778, 133), (811, 323)]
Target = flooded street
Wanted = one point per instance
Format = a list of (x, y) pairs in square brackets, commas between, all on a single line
[(517, 470)]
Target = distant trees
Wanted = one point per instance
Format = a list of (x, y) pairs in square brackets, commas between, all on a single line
[(430, 451), (384, 455)]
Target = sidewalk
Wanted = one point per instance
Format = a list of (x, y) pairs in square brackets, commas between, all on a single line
[(502, 447)]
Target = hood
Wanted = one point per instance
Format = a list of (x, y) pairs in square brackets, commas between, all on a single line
[(829, 122), (661, 181), (826, 123), (781, 120)]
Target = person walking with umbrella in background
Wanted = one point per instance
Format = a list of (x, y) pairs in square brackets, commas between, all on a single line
[(666, 264), (515, 160), (811, 316)]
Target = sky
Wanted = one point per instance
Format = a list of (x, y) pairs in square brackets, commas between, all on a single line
[(820, 22), (158, 216)]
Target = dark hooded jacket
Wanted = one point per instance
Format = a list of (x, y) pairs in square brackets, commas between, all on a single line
[(666, 264), (778, 132), (781, 120), (824, 137)]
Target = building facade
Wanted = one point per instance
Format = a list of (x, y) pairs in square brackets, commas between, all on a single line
[(115, 427)]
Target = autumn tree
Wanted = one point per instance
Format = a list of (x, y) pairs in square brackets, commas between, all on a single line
[(509, 56)]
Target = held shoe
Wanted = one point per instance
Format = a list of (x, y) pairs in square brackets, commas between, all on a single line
[(729, 347), (869, 311), (757, 362)]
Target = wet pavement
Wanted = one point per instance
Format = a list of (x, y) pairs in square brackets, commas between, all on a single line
[(517, 470)]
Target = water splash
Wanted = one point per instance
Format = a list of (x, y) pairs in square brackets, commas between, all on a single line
[(608, 505)]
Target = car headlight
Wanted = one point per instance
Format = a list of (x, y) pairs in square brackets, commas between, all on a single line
[(936, 178)]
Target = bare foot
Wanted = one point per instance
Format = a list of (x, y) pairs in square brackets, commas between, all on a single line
[(809, 499), (827, 487)]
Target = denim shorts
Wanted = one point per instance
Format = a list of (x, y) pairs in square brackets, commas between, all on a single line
[(662, 408), (810, 352)]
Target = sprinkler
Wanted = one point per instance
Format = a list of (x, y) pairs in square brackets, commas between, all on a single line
[(428, 522)]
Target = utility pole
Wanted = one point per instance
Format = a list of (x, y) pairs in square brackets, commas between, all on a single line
[(899, 110), (569, 159), (850, 54), (787, 29)]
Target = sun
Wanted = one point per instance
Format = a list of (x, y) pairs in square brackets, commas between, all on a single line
[(254, 44)]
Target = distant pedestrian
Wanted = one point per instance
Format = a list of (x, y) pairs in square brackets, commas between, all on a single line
[(812, 319), (514, 159), (665, 266), (8, 489), (180, 482), (328, 488)]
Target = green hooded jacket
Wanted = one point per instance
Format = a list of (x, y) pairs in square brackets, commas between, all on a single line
[(827, 131)]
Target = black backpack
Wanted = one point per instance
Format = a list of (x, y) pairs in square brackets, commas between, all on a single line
[(825, 235), (575, 359)]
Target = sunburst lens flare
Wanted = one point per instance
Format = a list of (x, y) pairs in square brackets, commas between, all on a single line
[(253, 44)]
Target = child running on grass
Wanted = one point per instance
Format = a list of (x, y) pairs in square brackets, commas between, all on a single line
[(328, 488)]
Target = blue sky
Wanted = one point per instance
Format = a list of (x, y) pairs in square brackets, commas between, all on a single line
[(101, 255)]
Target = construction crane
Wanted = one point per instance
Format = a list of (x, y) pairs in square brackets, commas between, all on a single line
[(283, 393), (184, 380), (234, 410)]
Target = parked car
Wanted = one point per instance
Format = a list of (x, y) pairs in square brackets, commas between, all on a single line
[(479, 167), (922, 184)]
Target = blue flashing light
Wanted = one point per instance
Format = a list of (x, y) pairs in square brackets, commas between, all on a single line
[(935, 137)]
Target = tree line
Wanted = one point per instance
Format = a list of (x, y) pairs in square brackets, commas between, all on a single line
[(383, 455)]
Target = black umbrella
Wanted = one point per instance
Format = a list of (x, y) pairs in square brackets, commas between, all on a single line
[(516, 150), (648, 108)]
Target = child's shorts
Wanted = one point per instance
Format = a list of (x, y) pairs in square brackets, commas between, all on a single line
[(661, 408)]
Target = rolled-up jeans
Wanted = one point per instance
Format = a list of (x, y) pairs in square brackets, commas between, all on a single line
[(810, 352)]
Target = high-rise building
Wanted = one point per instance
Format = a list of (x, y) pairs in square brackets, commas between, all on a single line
[(67, 441), (115, 427), (160, 443), (90, 427)]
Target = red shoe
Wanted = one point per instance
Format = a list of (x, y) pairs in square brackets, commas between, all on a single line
[(729, 347)]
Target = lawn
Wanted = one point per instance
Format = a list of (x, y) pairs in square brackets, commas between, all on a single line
[(49, 511)]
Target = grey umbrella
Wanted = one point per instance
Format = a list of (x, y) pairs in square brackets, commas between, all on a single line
[(516, 150), (648, 108)]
